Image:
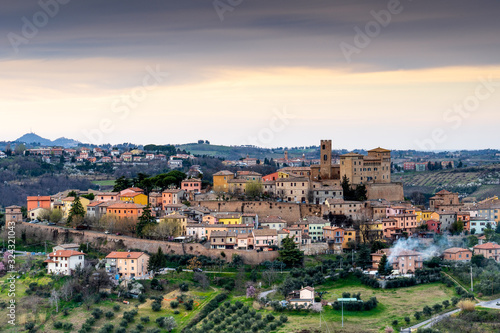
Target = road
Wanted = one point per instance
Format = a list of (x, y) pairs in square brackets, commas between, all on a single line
[(428, 323), (265, 293), (490, 304)]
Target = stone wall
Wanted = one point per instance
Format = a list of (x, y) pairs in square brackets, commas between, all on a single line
[(112, 242), (291, 212), (389, 192)]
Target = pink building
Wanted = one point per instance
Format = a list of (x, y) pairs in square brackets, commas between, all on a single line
[(191, 185)]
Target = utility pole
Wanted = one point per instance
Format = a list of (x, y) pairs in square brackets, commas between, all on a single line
[(45, 246), (471, 281)]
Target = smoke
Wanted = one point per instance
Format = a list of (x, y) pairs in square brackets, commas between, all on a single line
[(428, 249)]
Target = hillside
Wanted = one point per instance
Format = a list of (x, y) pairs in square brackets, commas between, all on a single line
[(237, 152), (480, 182), (35, 139)]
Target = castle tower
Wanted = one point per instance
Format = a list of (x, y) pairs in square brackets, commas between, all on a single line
[(286, 155), (326, 159)]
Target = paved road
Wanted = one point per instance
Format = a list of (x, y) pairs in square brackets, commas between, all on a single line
[(428, 323), (265, 293), (490, 304)]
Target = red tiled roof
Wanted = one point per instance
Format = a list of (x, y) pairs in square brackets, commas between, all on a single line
[(487, 246), (65, 254), (124, 255)]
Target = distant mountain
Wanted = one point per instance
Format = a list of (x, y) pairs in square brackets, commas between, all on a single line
[(35, 139)]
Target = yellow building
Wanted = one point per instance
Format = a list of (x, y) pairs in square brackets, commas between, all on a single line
[(434, 216), (223, 218), (137, 198), (67, 203), (350, 235), (220, 180), (371, 231), (423, 215), (177, 218)]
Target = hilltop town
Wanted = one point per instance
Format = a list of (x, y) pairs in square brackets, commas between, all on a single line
[(345, 213)]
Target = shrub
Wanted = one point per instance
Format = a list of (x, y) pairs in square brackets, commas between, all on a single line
[(437, 307), (65, 312), (427, 310), (67, 326), (446, 303), (184, 287), (124, 323), (395, 323), (189, 305), (145, 320), (283, 318), (174, 304), (107, 328), (121, 330), (407, 320), (90, 321), (270, 317), (139, 327), (176, 312), (417, 315), (156, 306), (110, 314), (454, 301), (58, 324), (116, 307), (142, 298), (97, 313), (467, 305)]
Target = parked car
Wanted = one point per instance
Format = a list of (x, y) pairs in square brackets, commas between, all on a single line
[(51, 223), (197, 270), (107, 232)]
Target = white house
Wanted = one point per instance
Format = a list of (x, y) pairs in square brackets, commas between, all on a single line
[(64, 262), (304, 296)]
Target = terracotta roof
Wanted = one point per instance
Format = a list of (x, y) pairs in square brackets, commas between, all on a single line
[(65, 254), (192, 180), (271, 219), (265, 232), (125, 205), (223, 173), (95, 203), (124, 255), (487, 246), (455, 250), (379, 150)]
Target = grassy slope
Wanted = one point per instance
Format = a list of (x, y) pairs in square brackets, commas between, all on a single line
[(395, 304)]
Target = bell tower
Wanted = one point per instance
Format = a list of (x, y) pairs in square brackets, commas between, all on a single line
[(326, 159)]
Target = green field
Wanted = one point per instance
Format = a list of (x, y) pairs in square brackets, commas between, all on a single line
[(394, 304), (104, 182)]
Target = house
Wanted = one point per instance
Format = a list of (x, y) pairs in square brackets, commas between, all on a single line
[(303, 297), (107, 196), (334, 237), (177, 218), (265, 239), (93, 210), (64, 262), (293, 189), (457, 254), (445, 201), (274, 176), (197, 230), (136, 197), (322, 192), (488, 250), (350, 236), (221, 179), (403, 261), (479, 224), (191, 185), (123, 210), (315, 225), (223, 240), (62, 247), (272, 222), (128, 264), (172, 196), (68, 204), (38, 202), (37, 213), (13, 214), (434, 226)]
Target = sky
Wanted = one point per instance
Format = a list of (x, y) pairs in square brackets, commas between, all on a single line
[(397, 74)]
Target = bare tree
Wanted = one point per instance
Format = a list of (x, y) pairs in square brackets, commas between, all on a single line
[(202, 279), (270, 276), (54, 299)]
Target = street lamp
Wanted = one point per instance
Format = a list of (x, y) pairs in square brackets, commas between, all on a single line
[(342, 300)]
